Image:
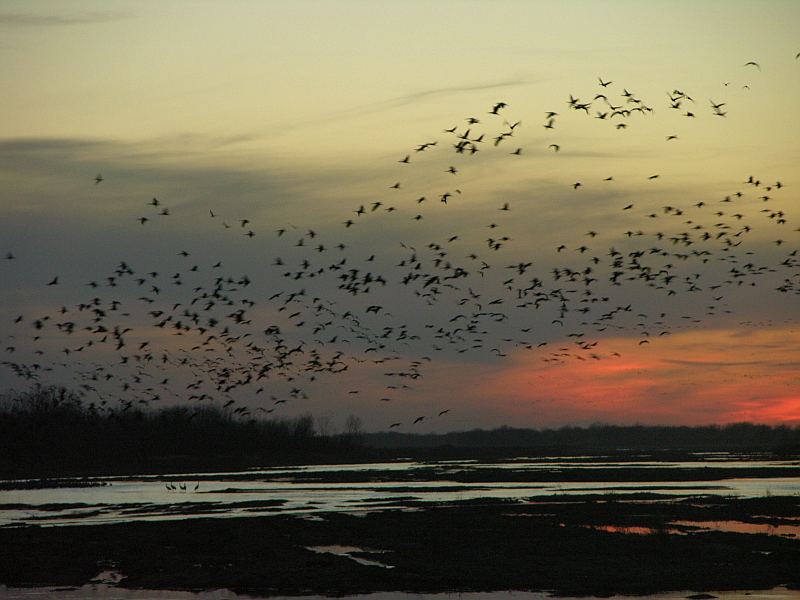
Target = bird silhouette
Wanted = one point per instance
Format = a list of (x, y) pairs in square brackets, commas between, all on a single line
[(357, 298)]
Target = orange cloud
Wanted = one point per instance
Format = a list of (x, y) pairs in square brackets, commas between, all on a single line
[(696, 377)]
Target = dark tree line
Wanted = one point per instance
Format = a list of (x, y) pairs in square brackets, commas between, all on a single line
[(51, 431), (743, 437)]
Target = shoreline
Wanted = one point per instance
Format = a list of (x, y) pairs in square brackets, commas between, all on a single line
[(176, 464), (633, 460)]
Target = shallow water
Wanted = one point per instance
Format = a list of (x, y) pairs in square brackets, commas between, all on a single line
[(105, 592), (349, 551), (790, 531), (685, 527), (302, 490)]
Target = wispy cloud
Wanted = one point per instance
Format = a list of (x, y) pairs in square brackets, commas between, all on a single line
[(715, 363), (40, 20), (399, 101), (454, 89)]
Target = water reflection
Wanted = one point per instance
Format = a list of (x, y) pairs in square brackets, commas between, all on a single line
[(740, 527), (310, 490), (630, 529), (349, 552), (685, 527)]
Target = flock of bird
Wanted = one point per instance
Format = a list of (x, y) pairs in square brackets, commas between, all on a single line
[(180, 486), (205, 334)]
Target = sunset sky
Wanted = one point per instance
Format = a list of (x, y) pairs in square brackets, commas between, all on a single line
[(292, 115)]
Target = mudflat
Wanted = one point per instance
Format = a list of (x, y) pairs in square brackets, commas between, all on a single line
[(590, 545)]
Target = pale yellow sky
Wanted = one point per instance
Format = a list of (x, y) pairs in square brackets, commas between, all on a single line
[(305, 78)]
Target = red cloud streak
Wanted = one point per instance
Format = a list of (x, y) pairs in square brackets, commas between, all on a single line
[(690, 378)]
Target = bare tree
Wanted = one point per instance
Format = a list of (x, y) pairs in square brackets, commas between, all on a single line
[(325, 426), (353, 429)]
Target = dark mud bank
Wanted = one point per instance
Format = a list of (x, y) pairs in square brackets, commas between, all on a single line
[(464, 547)]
